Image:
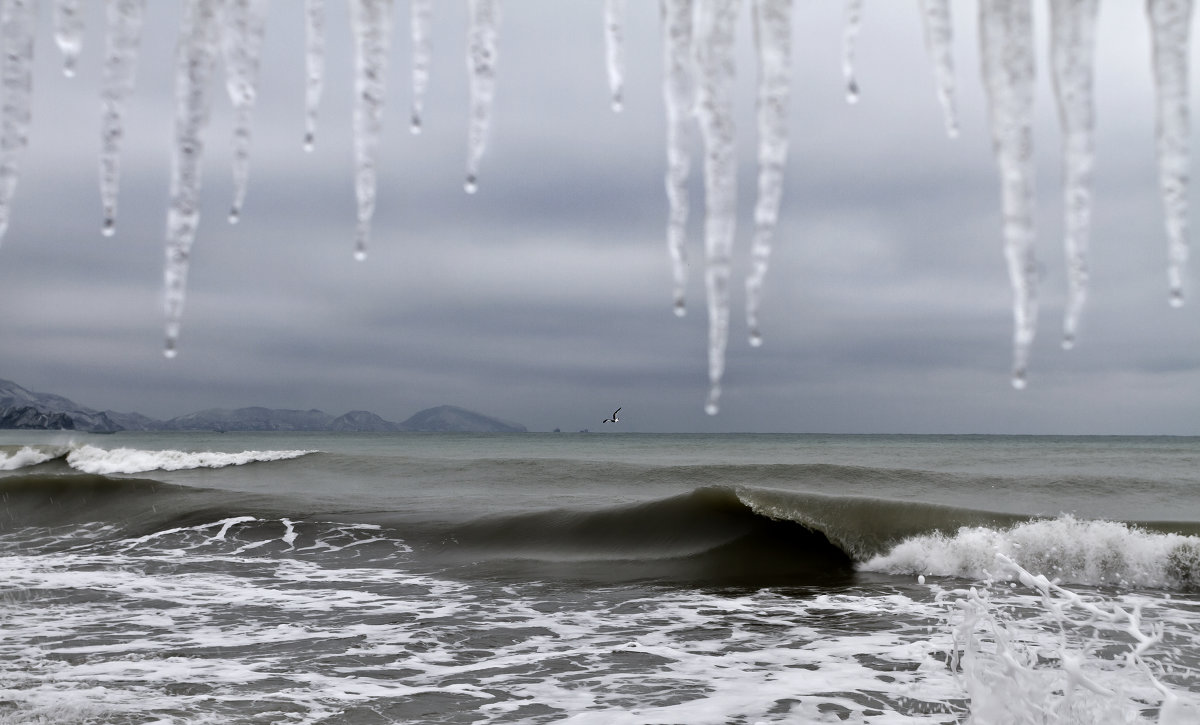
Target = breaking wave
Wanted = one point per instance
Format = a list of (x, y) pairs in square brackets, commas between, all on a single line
[(93, 459)]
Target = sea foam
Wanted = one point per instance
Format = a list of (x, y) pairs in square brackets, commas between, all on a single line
[(24, 457), (1065, 549), (90, 459)]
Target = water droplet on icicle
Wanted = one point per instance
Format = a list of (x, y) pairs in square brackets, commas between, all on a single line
[(415, 125), (109, 227), (680, 309), (234, 215), (756, 339), (471, 185)]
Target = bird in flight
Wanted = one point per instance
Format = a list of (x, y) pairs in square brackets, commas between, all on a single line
[(614, 418)]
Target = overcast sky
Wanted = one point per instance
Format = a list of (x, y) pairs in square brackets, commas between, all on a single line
[(546, 297)]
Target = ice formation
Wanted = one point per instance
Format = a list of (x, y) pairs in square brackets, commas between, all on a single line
[(314, 67), (123, 35), (698, 80)]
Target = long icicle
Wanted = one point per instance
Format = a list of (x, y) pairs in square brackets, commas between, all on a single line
[(68, 33), (18, 21), (680, 108), (773, 36), (199, 44), (854, 10), (421, 15), (243, 40), (614, 50), (123, 39), (1072, 48), (714, 49), (371, 24), (481, 67), (939, 30), (1170, 28), (1007, 55), (314, 67)]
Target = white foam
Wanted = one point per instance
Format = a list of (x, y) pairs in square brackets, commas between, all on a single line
[(91, 459), (1066, 548), (26, 456)]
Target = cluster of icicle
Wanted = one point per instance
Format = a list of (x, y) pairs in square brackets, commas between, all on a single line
[(699, 76)]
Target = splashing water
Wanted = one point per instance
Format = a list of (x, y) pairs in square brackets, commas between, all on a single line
[(371, 21), (481, 69), (123, 40), (1006, 47)]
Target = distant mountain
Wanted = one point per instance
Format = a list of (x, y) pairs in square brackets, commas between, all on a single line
[(448, 418), (23, 409)]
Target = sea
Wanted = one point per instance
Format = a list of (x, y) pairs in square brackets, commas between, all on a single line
[(598, 578)]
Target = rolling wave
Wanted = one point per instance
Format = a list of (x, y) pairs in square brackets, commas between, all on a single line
[(713, 535), (93, 459)]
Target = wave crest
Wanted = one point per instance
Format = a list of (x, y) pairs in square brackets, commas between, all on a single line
[(91, 459), (1065, 549)]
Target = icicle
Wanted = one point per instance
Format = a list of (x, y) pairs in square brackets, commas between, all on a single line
[(773, 36), (1072, 45), (125, 19), (199, 43), (677, 95), (481, 64), (614, 47), (68, 33), (1006, 50), (421, 14), (938, 40), (850, 46), (371, 22), (715, 23), (1170, 26), (314, 67), (243, 38), (17, 21)]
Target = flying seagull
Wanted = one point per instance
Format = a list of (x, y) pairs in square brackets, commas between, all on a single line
[(614, 418)]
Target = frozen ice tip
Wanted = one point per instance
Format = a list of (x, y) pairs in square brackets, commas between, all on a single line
[(1068, 341), (755, 338), (169, 351), (680, 308), (309, 142), (235, 215), (1176, 298), (1018, 379), (471, 185), (109, 228), (415, 125), (852, 92)]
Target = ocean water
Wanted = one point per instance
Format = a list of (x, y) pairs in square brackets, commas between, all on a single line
[(598, 578)]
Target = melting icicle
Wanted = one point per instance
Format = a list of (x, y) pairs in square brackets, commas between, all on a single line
[(715, 23), (677, 95), (1007, 55), (850, 46), (773, 35), (199, 43), (938, 40), (1072, 44), (614, 47), (68, 33), (17, 21), (371, 22), (243, 38), (125, 18), (314, 67), (421, 14), (481, 64), (1170, 27)]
